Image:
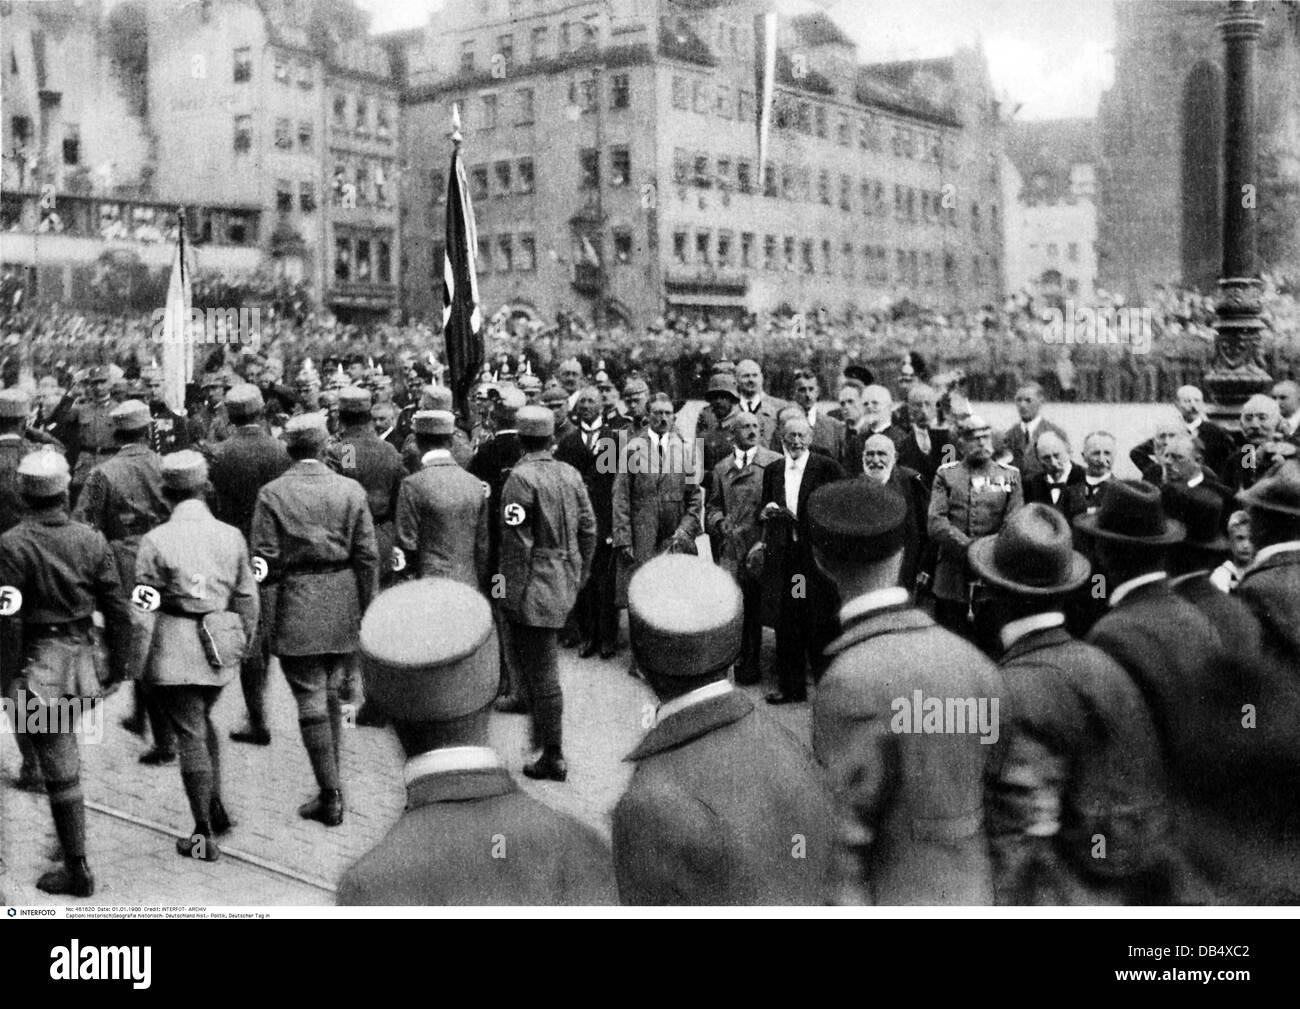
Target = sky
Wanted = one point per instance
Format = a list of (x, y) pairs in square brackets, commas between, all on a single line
[(1051, 59)]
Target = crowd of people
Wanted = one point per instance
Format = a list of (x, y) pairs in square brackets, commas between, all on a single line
[(1031, 681)]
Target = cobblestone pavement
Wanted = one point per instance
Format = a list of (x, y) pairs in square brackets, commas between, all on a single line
[(272, 857)]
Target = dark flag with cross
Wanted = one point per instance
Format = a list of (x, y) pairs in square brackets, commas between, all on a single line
[(462, 318)]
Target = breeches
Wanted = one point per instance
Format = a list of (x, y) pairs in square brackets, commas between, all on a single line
[(315, 681)]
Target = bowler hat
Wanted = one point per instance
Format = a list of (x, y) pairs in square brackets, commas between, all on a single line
[(1200, 510), (43, 473), (535, 422), (185, 470), (1033, 554), (1131, 512), (1279, 492), (723, 384), (429, 651), (684, 616), (859, 519)]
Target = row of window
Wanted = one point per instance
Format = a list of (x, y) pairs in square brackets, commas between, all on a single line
[(868, 130), (369, 116), (284, 201), (362, 259), (1053, 250), (362, 182), (792, 255), (571, 36), (22, 134), (285, 71), (518, 107), (499, 254)]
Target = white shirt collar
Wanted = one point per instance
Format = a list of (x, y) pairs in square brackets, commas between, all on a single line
[(433, 455), (718, 688), (1031, 425), (450, 758), (877, 599), (1018, 629), (386, 433), (1264, 553), (1197, 480), (1124, 588), (812, 415), (1093, 481), (745, 456)]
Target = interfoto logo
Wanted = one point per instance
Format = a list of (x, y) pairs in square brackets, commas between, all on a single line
[(946, 716), (75, 962), (1079, 324), (26, 713), (213, 325)]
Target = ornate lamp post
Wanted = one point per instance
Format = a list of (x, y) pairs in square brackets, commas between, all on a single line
[(1237, 371)]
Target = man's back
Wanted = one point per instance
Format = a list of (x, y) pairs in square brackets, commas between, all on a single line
[(241, 466), (442, 522)]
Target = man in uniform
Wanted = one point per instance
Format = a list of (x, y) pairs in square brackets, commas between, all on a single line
[(240, 467), (1079, 756), (910, 801), (168, 431), (442, 511), (313, 534), (970, 498), (636, 397), (548, 540), (436, 397), (210, 423), (63, 571), (555, 400), (468, 835), (360, 454), (123, 499), (713, 426), (91, 428), (722, 795)]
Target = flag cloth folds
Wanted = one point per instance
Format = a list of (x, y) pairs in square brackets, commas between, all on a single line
[(177, 339), (764, 84), (462, 319)]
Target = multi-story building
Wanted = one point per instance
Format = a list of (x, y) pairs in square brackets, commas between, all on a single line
[(612, 158), (1050, 183)]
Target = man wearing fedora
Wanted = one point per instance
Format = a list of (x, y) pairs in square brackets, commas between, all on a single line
[(1271, 585), (725, 806), (1080, 756), (468, 835), (910, 801), (548, 540)]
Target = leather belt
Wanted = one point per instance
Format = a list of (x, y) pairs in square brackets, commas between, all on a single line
[(70, 628), (318, 568)]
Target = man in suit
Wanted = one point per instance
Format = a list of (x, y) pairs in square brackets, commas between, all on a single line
[(1271, 585), (313, 538), (590, 448), (926, 446), (1059, 482), (1098, 466), (802, 597), (1287, 396), (749, 380), (720, 792), (910, 802), (1079, 756), (1181, 465), (1217, 444), (1021, 439), (828, 434), (197, 570), (731, 519), (878, 416), (1261, 444), (970, 498), (239, 468), (547, 546), (468, 834), (442, 511), (879, 463)]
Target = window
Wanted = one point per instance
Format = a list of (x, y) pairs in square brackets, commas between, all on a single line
[(724, 249), (949, 269), (243, 134), (826, 256), (1071, 286), (702, 170), (342, 259), (700, 97), (484, 257), (680, 99), (928, 267), (622, 246), (340, 111), (747, 249), (283, 195), (306, 197), (702, 241), (620, 91), (722, 103), (565, 37), (478, 182), (502, 171), (620, 166), (769, 252), (788, 249), (824, 187), (975, 219), (438, 183), (681, 167), (589, 33), (911, 204), (71, 143), (589, 167), (467, 57), (537, 45), (821, 120), (523, 106), (304, 136), (806, 262), (383, 120), (243, 65), (913, 271), (724, 173), (900, 273), (363, 185), (803, 118), (843, 131), (898, 202), (489, 121), (803, 184), (846, 193), (1053, 250), (679, 247), (787, 183), (505, 254), (745, 107), (583, 94), (525, 175), (977, 269), (864, 194), (283, 136), (363, 116), (506, 49), (1072, 252), (306, 80), (384, 261), (769, 180), (527, 253), (744, 177), (281, 69)]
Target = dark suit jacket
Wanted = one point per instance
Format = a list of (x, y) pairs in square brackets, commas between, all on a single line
[(599, 480), (1272, 590), (1023, 456), (786, 544), (927, 463), (913, 490), (471, 837), (492, 464), (721, 798), (1073, 499), (241, 466), (1217, 444)]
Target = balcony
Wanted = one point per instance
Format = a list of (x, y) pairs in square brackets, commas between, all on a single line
[(707, 280)]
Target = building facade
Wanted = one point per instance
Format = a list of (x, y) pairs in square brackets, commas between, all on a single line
[(612, 159)]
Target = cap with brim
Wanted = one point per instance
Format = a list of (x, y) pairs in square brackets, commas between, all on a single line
[(973, 426), (1200, 510), (1279, 492), (435, 397), (434, 422), (186, 470), (429, 651), (355, 401), (1131, 512), (529, 382), (306, 429), (635, 386), (535, 422), (723, 384), (43, 474), (244, 401), (14, 403), (130, 415), (554, 396), (99, 373), (684, 617), (512, 397), (858, 520), (1033, 554)]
